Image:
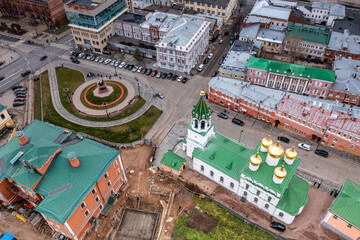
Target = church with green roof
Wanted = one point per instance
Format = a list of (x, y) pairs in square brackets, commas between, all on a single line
[(264, 176)]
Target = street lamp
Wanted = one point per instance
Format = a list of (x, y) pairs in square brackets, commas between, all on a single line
[(138, 84), (240, 135), (105, 104), (32, 71), (115, 71)]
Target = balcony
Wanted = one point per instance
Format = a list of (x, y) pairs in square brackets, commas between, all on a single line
[(24, 196)]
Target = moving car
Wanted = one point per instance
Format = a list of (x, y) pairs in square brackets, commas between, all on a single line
[(27, 72), (304, 146), (201, 67), (30, 41), (284, 139), (43, 58), (278, 226), (160, 95), (222, 115), (206, 60), (322, 153), (238, 121)]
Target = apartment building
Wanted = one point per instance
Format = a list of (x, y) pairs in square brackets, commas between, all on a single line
[(290, 77), (129, 25), (92, 22), (343, 45), (5, 119), (346, 89), (67, 178), (271, 40), (306, 40), (182, 47), (326, 12), (217, 8), (50, 11)]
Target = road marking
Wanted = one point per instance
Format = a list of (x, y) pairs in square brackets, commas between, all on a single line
[(4, 83), (17, 43), (57, 45)]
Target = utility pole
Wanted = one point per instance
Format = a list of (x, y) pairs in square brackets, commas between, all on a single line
[(107, 114)]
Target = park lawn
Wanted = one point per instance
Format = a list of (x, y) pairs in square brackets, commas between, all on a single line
[(37, 100), (125, 133), (229, 226), (99, 101)]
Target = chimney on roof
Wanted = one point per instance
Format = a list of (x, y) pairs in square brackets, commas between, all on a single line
[(22, 139), (73, 160)]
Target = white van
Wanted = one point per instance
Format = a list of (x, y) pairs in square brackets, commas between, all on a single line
[(201, 67)]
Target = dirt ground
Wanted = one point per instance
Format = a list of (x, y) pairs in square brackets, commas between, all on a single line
[(201, 221), (306, 226)]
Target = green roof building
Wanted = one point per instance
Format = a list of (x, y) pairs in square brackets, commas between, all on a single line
[(244, 172), (66, 177)]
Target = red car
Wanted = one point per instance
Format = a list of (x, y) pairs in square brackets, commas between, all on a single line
[(154, 73), (19, 99), (214, 74), (143, 71)]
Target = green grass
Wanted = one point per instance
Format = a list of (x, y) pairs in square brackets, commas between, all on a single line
[(129, 132), (99, 100), (37, 100), (228, 227)]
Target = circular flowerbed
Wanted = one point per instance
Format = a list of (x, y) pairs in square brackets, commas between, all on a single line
[(94, 102)]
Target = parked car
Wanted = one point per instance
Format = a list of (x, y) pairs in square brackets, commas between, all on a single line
[(174, 77), (221, 61), (20, 95), (16, 86), (112, 62), (153, 74), (126, 66), (160, 95), (135, 69), (116, 63), (184, 80), (238, 121), (84, 56), (19, 90), (206, 60), (278, 226), (107, 61), (226, 33), (169, 76), (304, 146), (130, 67), (210, 55), (92, 58), (89, 57), (221, 41), (36, 78), (101, 60), (158, 75), (2, 78), (180, 79), (19, 99), (284, 139), (122, 64), (201, 67), (139, 69), (148, 72), (143, 71), (214, 74), (42, 58), (97, 59), (322, 153), (222, 115), (27, 72), (164, 75), (16, 104), (30, 41)]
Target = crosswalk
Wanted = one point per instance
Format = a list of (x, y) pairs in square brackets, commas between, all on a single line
[(62, 46)]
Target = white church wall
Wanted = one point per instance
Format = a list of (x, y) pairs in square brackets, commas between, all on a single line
[(283, 216)]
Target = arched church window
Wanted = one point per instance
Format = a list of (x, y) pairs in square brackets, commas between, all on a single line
[(202, 124), (196, 123)]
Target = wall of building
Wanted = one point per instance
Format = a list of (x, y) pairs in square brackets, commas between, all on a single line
[(169, 169), (232, 75), (330, 54), (5, 119), (211, 9), (6, 195), (341, 226)]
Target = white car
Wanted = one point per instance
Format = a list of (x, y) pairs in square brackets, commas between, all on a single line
[(135, 68), (180, 79), (221, 41), (122, 64), (159, 74), (116, 63), (101, 60), (139, 69), (80, 55), (107, 61), (112, 62), (97, 59), (210, 55), (304, 146)]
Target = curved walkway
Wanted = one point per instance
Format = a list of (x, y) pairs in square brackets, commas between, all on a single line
[(76, 98), (146, 93)]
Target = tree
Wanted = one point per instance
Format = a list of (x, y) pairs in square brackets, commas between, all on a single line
[(293, 46), (138, 55)]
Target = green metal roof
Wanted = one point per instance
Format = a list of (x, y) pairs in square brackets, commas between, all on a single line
[(291, 69), (309, 33), (224, 154), (265, 173), (295, 196), (2, 107), (57, 204), (201, 110), (172, 160), (347, 203)]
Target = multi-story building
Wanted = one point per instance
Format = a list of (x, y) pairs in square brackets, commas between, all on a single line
[(326, 12), (306, 40), (249, 33), (5, 119), (264, 175), (67, 178), (50, 11), (129, 25), (347, 86), (343, 216), (343, 45), (182, 47), (267, 15), (271, 40), (221, 9), (290, 77), (92, 22)]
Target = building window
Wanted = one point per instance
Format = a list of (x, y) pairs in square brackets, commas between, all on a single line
[(335, 216), (231, 185), (106, 175), (2, 116), (211, 173), (247, 186), (202, 168), (222, 179), (266, 206), (349, 226), (82, 205), (258, 192), (256, 200), (352, 146), (101, 206), (109, 183), (335, 139), (269, 199), (281, 214), (97, 199), (87, 213), (245, 193), (93, 191)]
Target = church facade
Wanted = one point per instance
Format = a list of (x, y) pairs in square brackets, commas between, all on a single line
[(265, 176)]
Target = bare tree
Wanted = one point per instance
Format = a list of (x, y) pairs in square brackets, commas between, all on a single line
[(293, 46)]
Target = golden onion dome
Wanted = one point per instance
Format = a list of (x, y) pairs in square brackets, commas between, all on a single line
[(276, 150), (255, 160), (280, 172), (266, 142), (202, 92), (290, 153)]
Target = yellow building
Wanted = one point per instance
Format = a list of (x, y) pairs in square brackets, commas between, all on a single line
[(5, 119), (216, 8)]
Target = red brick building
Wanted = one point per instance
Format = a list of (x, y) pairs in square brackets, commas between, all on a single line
[(47, 10), (67, 178)]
